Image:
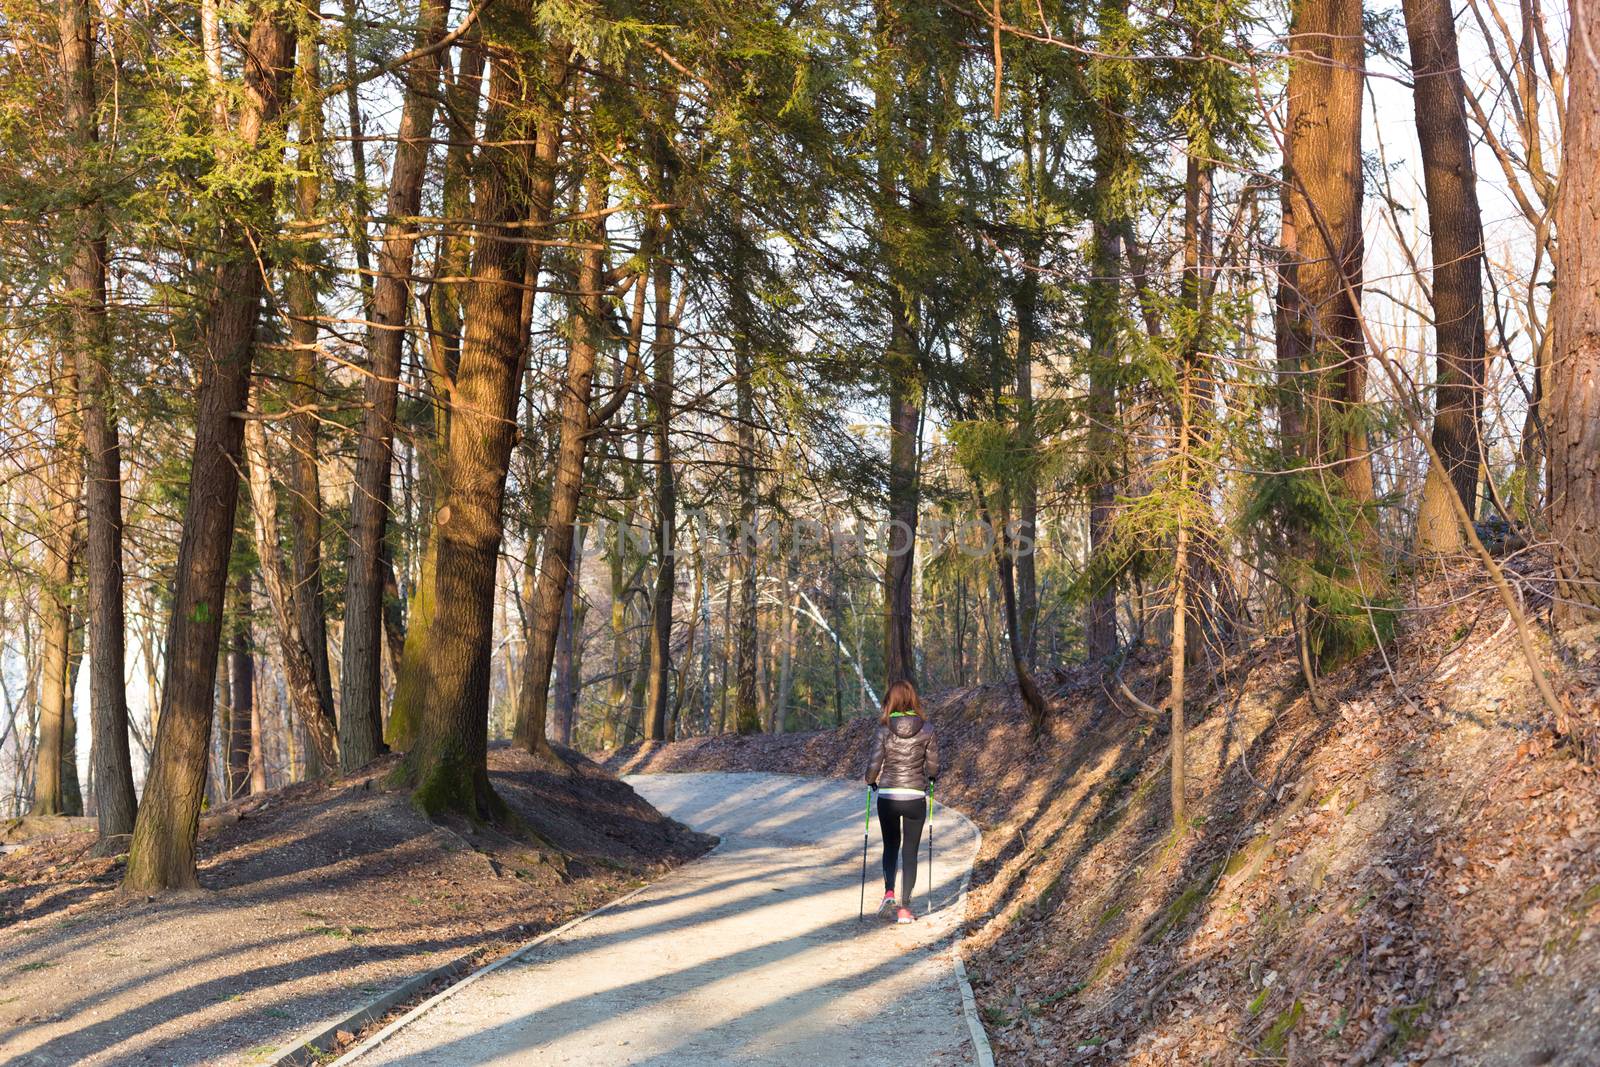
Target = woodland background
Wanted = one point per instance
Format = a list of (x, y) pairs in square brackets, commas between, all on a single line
[(402, 378)]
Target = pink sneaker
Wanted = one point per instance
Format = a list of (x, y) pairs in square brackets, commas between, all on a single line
[(888, 902), (903, 916)]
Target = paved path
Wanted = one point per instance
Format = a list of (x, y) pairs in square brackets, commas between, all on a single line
[(752, 955)]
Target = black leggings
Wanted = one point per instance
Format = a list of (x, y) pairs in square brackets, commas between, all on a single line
[(896, 814)]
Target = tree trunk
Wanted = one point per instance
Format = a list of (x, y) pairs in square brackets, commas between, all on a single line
[(55, 602), (443, 357), (659, 696), (242, 687), (569, 650), (112, 765), (1457, 235), (305, 480), (448, 762), (1320, 342), (299, 670), (1572, 398), (577, 422), (258, 753), (71, 791), (1100, 624), (1027, 485), (360, 683), (162, 851), (789, 628), (746, 710)]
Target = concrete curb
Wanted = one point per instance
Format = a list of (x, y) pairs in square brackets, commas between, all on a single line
[(313, 1046)]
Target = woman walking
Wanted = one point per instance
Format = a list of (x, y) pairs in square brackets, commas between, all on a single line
[(903, 764)]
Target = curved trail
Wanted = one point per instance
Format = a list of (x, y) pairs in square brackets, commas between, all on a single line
[(751, 955)]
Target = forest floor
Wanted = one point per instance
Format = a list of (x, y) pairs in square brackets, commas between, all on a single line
[(314, 899), (1410, 875)]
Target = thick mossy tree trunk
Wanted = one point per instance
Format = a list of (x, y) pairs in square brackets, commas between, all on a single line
[(1457, 236), (443, 352), (447, 763), (360, 681), (1572, 396), (162, 854), (91, 344)]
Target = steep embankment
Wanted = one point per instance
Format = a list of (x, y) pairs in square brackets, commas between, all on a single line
[(315, 899), (1408, 875)]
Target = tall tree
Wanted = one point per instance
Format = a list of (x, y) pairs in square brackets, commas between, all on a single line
[(659, 694), (1456, 226), (1322, 358), (112, 765), (361, 715), (1572, 396), (162, 852), (448, 760), (578, 420), (64, 480), (305, 478)]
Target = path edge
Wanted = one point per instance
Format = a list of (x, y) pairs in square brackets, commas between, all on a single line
[(981, 1050), (310, 1047)]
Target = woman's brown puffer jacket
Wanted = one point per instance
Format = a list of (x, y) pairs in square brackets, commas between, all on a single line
[(905, 754)]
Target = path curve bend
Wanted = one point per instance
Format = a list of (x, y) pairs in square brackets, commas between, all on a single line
[(750, 955)]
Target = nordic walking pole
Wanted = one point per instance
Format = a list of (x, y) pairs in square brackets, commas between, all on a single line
[(930, 848), (866, 831)]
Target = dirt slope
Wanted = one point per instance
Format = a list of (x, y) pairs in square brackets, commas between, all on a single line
[(315, 898), (1410, 877)]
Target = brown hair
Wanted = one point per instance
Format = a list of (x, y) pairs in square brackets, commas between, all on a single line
[(902, 696)]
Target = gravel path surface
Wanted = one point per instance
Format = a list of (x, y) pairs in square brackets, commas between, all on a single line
[(752, 955)]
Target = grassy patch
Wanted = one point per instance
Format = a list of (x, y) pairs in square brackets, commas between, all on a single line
[(1406, 1019), (1185, 903), (1277, 1035), (36, 965)]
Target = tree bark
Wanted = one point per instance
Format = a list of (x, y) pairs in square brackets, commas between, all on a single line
[(569, 650), (305, 479), (659, 695), (162, 852), (1572, 397), (1100, 623), (112, 765), (242, 687), (448, 762), (1457, 235), (63, 488), (360, 682), (299, 670), (577, 422), (746, 711), (1318, 332), (443, 358)]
